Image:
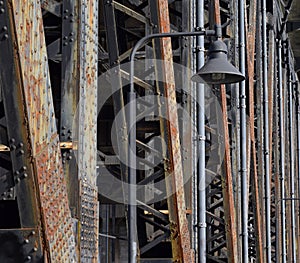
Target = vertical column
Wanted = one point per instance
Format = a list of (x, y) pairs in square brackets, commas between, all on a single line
[(250, 46), (31, 84), (180, 236), (87, 130)]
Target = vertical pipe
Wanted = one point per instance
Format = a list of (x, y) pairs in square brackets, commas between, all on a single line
[(201, 141), (282, 154), (113, 231), (243, 132), (194, 110), (292, 159), (298, 153), (266, 134), (132, 220)]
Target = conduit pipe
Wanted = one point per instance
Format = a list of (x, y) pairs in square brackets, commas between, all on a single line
[(266, 134), (282, 154), (292, 157), (201, 141), (243, 134)]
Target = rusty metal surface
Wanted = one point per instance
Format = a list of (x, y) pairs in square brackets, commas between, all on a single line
[(250, 45), (54, 204), (227, 185), (87, 129), (42, 133), (89, 222), (228, 193), (180, 236), (87, 108)]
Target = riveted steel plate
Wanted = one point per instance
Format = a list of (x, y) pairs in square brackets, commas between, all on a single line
[(87, 114), (20, 245), (34, 72), (87, 130), (89, 222), (42, 133), (54, 204)]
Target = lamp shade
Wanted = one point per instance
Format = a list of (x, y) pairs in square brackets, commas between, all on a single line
[(217, 69)]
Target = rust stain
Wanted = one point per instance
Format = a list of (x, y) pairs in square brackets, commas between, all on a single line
[(181, 246), (46, 156)]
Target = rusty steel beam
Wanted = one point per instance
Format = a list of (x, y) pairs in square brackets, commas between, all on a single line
[(227, 187), (180, 236), (250, 45), (87, 130), (48, 196), (229, 207)]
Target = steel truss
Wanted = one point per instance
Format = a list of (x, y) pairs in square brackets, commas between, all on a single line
[(58, 154)]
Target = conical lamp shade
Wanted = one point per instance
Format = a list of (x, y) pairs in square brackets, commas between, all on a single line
[(217, 69)]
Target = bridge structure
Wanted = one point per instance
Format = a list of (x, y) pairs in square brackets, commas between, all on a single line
[(216, 167)]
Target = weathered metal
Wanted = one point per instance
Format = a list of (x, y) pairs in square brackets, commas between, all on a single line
[(227, 182), (87, 130), (250, 46), (180, 236), (41, 156)]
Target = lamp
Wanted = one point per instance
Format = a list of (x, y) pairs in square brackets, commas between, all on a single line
[(217, 69)]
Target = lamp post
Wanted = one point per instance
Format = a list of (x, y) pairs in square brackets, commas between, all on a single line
[(217, 70)]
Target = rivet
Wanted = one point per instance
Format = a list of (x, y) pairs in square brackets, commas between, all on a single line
[(4, 28), (26, 241), (2, 10)]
